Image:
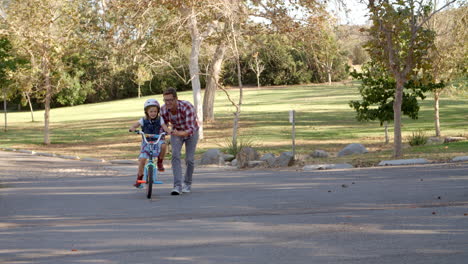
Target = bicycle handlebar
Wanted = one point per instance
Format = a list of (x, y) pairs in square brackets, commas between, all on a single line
[(144, 136)]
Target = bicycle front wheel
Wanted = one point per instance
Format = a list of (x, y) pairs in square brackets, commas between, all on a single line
[(149, 181)]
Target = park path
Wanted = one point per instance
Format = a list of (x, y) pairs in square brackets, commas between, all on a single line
[(59, 211)]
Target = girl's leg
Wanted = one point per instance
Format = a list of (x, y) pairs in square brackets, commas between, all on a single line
[(141, 168)]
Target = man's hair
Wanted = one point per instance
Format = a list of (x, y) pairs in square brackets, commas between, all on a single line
[(170, 90)]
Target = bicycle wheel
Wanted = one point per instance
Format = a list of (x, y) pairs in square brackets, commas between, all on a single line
[(149, 181)]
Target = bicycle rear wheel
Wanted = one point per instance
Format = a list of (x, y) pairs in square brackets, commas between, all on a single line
[(149, 181)]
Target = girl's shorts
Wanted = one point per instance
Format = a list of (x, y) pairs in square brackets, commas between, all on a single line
[(145, 150)]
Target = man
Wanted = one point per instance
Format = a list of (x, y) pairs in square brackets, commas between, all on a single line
[(182, 117)]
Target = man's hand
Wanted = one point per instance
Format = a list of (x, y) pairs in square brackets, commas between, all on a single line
[(179, 133)]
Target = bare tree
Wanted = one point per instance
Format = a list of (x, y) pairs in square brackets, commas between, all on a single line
[(257, 66)]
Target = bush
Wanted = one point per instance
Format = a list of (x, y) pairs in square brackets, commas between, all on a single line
[(417, 138), (229, 148)]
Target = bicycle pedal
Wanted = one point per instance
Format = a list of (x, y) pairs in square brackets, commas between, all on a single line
[(158, 182)]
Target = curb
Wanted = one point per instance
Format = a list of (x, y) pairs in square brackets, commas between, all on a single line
[(305, 168)]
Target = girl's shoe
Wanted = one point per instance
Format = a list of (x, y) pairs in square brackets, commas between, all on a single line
[(137, 184)]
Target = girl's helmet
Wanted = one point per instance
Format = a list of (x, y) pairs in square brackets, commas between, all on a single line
[(151, 102)]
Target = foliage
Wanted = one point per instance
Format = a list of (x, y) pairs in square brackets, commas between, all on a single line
[(400, 41), (418, 138), (8, 63), (378, 92), (359, 55), (228, 147)]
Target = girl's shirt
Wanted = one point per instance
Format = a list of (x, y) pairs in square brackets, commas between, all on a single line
[(151, 126)]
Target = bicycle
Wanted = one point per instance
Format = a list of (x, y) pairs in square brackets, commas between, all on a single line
[(150, 172)]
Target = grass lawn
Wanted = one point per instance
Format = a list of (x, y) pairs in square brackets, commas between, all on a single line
[(323, 121)]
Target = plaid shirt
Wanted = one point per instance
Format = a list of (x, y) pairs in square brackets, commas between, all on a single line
[(186, 119)]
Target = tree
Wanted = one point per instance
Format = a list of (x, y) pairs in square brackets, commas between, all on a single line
[(8, 63), (257, 66), (450, 51), (46, 30), (189, 12), (378, 93), (400, 41)]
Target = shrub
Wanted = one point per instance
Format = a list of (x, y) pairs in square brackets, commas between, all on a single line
[(417, 138), (228, 147)]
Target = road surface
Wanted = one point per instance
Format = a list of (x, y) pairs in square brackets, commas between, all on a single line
[(57, 211)]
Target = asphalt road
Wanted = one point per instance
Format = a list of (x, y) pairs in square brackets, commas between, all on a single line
[(58, 211)]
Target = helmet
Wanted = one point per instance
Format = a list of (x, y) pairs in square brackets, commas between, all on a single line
[(151, 102)]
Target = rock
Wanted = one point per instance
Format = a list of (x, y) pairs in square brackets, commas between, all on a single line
[(68, 157), (234, 162), (284, 160), (92, 159), (228, 157), (351, 149), (26, 151), (460, 158), (269, 158), (257, 163), (327, 166), (434, 140), (319, 154), (454, 139), (403, 162), (245, 155), (212, 156)]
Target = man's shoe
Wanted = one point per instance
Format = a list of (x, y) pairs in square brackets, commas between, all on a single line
[(160, 165), (187, 189), (175, 191), (138, 185)]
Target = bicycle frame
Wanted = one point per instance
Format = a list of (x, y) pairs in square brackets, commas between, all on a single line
[(150, 166)]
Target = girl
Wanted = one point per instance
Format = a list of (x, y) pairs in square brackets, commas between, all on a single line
[(152, 123)]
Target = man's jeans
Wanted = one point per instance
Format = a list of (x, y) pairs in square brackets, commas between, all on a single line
[(190, 147)]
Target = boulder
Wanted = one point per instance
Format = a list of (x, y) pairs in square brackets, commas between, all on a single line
[(228, 157), (257, 163), (284, 160), (327, 166), (318, 153), (212, 156), (352, 149), (454, 139), (269, 159), (245, 155)]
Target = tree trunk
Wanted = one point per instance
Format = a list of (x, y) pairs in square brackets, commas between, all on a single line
[(30, 105), (5, 108), (436, 112), (386, 132), (397, 139), (194, 67), (258, 80), (212, 82), (48, 99), (239, 77), (235, 128)]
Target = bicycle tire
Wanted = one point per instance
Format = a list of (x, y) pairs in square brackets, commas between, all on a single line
[(149, 182)]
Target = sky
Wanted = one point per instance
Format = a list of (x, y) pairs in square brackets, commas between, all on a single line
[(355, 16)]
